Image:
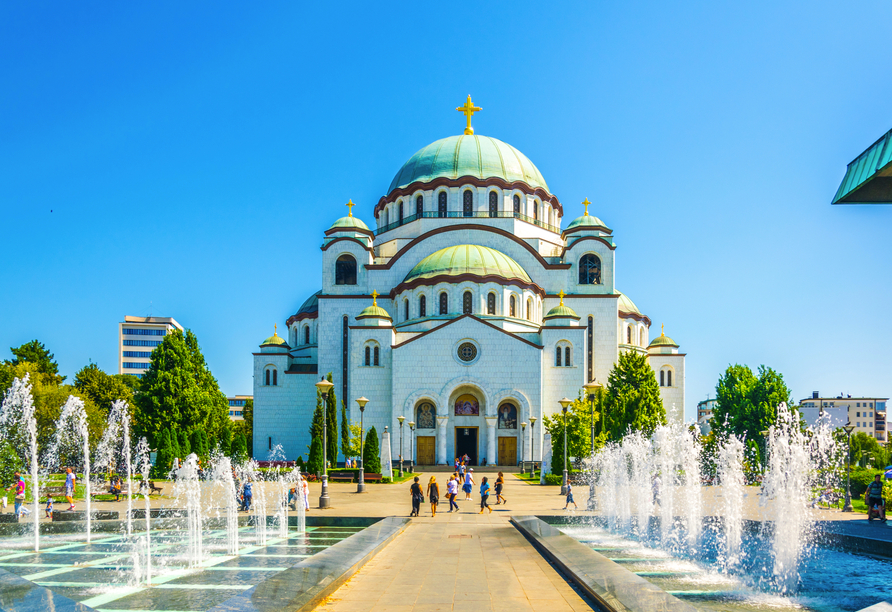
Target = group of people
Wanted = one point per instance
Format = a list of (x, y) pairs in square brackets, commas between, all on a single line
[(459, 479), (299, 493)]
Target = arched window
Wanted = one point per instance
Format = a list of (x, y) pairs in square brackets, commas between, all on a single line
[(444, 303), (516, 204), (466, 303), (401, 212), (377, 353), (557, 356), (307, 334), (529, 309), (422, 306), (267, 378), (668, 378), (468, 203), (512, 307), (385, 217), (368, 355), (662, 378), (589, 270), (628, 335), (493, 204), (535, 211), (419, 206), (441, 204), (491, 304), (345, 270), (641, 337), (406, 302), (567, 361)]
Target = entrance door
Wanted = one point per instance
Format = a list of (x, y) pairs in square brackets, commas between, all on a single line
[(425, 450), (507, 451), (466, 443)]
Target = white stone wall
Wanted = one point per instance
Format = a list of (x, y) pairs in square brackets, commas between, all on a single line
[(672, 396), (285, 410)]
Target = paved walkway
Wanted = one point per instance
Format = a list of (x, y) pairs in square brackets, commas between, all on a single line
[(468, 562)]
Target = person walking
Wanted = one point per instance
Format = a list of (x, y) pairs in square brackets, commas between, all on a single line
[(570, 497), (500, 482), (484, 495), (417, 497), (305, 490), (247, 496), (19, 499), (70, 483), (452, 492), (433, 492), (469, 484), (462, 468)]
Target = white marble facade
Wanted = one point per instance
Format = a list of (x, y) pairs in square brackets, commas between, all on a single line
[(479, 352)]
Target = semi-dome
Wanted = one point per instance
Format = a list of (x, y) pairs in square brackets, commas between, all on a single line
[(627, 306), (468, 155), (470, 259)]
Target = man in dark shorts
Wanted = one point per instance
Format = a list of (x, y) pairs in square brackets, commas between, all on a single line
[(875, 496)]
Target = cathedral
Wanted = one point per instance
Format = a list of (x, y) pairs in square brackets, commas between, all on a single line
[(468, 312)]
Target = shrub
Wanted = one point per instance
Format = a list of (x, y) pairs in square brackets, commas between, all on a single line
[(371, 453), (861, 477), (554, 479)]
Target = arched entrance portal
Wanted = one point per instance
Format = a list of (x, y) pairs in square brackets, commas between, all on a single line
[(425, 434), (466, 411)]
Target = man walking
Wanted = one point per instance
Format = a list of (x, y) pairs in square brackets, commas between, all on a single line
[(451, 492)]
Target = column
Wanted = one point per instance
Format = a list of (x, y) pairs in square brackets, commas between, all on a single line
[(441, 440), (491, 424)]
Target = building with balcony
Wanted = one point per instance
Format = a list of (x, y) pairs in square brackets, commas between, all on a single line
[(237, 406), (867, 414), (137, 338)]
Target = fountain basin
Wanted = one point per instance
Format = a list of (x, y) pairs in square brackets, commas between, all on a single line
[(80, 515)]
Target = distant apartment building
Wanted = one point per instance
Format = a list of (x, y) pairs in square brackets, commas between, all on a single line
[(705, 410), (237, 406), (866, 414), (137, 338)]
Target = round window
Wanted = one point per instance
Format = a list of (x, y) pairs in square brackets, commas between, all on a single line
[(467, 351)]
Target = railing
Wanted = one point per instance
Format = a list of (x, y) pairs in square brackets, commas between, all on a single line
[(463, 215)]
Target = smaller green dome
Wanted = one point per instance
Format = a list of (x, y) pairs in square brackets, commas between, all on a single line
[(468, 259), (627, 306), (374, 311), (586, 220), (662, 340), (561, 311), (349, 223), (275, 340)]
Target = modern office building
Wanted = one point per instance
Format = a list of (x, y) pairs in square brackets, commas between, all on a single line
[(705, 410), (867, 414), (137, 338), (237, 405)]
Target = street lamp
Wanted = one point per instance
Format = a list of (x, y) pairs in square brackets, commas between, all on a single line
[(532, 445), (848, 428), (401, 419), (523, 442), (564, 403), (324, 387), (360, 487), (412, 446), (593, 390)]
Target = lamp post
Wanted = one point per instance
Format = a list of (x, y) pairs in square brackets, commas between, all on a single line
[(412, 446), (593, 390), (523, 443), (848, 428), (324, 387), (401, 419), (532, 445), (360, 487), (564, 403)]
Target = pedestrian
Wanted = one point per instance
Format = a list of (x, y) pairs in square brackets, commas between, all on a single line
[(49, 506), (19, 487), (70, 483), (462, 468), (433, 492), (452, 492), (247, 496), (305, 487), (417, 497), (469, 484), (484, 495), (292, 497), (570, 497), (457, 463), (500, 482)]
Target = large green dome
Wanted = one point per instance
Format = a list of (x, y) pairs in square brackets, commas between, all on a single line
[(468, 155), (468, 259)]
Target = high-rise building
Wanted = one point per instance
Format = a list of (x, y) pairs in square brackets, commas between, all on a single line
[(867, 414), (137, 338), (237, 405)]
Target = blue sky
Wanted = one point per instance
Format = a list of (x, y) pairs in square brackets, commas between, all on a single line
[(184, 159)]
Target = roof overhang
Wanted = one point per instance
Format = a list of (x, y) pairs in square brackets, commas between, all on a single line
[(868, 178)]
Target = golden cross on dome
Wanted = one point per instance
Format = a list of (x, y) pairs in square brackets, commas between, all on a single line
[(586, 203), (350, 206), (375, 295), (469, 109), (561, 294), (275, 329), (662, 329)]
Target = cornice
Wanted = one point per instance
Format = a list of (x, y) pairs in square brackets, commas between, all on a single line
[(365, 247), (612, 247), (460, 278)]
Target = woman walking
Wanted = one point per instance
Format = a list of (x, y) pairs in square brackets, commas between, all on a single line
[(500, 482), (452, 492), (484, 495), (19, 487), (417, 497), (305, 491), (469, 484), (433, 492), (70, 482)]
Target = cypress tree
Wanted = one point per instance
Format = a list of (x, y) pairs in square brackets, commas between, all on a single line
[(185, 447), (316, 423), (239, 448), (332, 418), (174, 444), (164, 459), (314, 463), (371, 453), (195, 443), (226, 442), (345, 430)]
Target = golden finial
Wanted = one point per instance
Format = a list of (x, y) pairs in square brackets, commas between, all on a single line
[(585, 203), (276, 330), (350, 206), (469, 109), (561, 294), (375, 295), (662, 329)]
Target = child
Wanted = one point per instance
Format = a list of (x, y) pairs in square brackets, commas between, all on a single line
[(49, 507), (570, 498)]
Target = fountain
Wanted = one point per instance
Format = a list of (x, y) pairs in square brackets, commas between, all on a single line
[(144, 462), (71, 427), (729, 470), (17, 423), (223, 475), (189, 483), (117, 434)]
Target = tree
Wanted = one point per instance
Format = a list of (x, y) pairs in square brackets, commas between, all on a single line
[(248, 424), (579, 433), (185, 447), (865, 450), (226, 442), (35, 352), (102, 388), (10, 463), (355, 436), (164, 458), (371, 453), (195, 443), (345, 431), (239, 448), (174, 444), (746, 404), (331, 412), (316, 421), (179, 390), (632, 399), (314, 461)]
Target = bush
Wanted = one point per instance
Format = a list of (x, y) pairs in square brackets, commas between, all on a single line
[(314, 462), (386, 480), (861, 477), (371, 453), (554, 479)]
